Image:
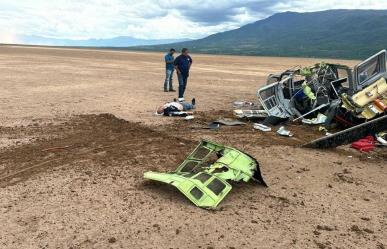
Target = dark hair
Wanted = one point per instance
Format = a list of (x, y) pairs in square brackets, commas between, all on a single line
[(184, 50), (172, 50)]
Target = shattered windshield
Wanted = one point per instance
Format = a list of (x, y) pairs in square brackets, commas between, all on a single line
[(368, 71)]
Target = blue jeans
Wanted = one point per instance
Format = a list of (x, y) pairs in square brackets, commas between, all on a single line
[(168, 80), (182, 84), (187, 106)]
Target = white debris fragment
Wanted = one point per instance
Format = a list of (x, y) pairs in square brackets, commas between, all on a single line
[(283, 132), (262, 127)]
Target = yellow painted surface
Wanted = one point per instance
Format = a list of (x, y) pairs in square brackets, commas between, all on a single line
[(370, 93)]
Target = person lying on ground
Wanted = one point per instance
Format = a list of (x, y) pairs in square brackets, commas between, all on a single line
[(176, 108)]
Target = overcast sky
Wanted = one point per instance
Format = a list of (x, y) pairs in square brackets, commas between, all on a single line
[(149, 19)]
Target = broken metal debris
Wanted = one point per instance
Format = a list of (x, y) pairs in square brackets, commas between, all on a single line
[(190, 117), (229, 122), (283, 132), (272, 120), (381, 138), (323, 129), (351, 134), (213, 126), (346, 97), (203, 176), (250, 114), (262, 127), (320, 119), (243, 104)]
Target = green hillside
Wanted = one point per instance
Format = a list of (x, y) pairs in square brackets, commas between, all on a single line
[(352, 34)]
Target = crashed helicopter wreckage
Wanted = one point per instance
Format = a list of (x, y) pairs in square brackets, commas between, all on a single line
[(354, 99), (203, 176)]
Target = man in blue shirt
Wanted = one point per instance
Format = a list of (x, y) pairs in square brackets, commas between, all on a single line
[(182, 65), (170, 67)]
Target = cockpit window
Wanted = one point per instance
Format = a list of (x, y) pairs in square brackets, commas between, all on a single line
[(369, 70), (197, 193), (216, 186), (189, 166), (201, 153), (203, 177)]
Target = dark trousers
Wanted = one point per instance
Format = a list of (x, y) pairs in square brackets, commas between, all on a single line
[(182, 84)]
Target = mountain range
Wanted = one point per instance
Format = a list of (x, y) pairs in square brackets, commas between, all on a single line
[(352, 34), (121, 41)]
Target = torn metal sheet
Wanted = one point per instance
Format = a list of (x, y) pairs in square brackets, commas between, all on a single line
[(321, 118), (203, 189), (262, 127), (243, 104), (229, 122), (283, 132), (251, 114), (350, 135), (382, 138), (203, 177)]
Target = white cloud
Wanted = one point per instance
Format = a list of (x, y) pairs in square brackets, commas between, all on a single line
[(152, 19), (313, 5)]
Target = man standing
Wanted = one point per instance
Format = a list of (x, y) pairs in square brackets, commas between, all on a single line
[(182, 65), (170, 67)]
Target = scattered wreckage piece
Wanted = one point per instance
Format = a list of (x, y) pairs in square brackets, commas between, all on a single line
[(212, 126), (243, 104), (274, 121), (203, 176), (228, 122), (381, 138), (350, 135), (320, 119), (283, 132), (190, 117), (250, 114), (248, 110), (262, 127)]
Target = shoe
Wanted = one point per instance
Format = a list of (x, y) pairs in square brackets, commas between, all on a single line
[(193, 101), (172, 90), (165, 90), (181, 99)]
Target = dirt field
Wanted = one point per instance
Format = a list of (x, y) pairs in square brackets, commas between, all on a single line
[(77, 132)]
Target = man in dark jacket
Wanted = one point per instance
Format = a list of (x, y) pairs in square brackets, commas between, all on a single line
[(182, 65)]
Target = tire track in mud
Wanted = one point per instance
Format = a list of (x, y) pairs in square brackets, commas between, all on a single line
[(88, 136)]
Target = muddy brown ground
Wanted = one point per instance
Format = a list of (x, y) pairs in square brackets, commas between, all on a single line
[(71, 176)]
